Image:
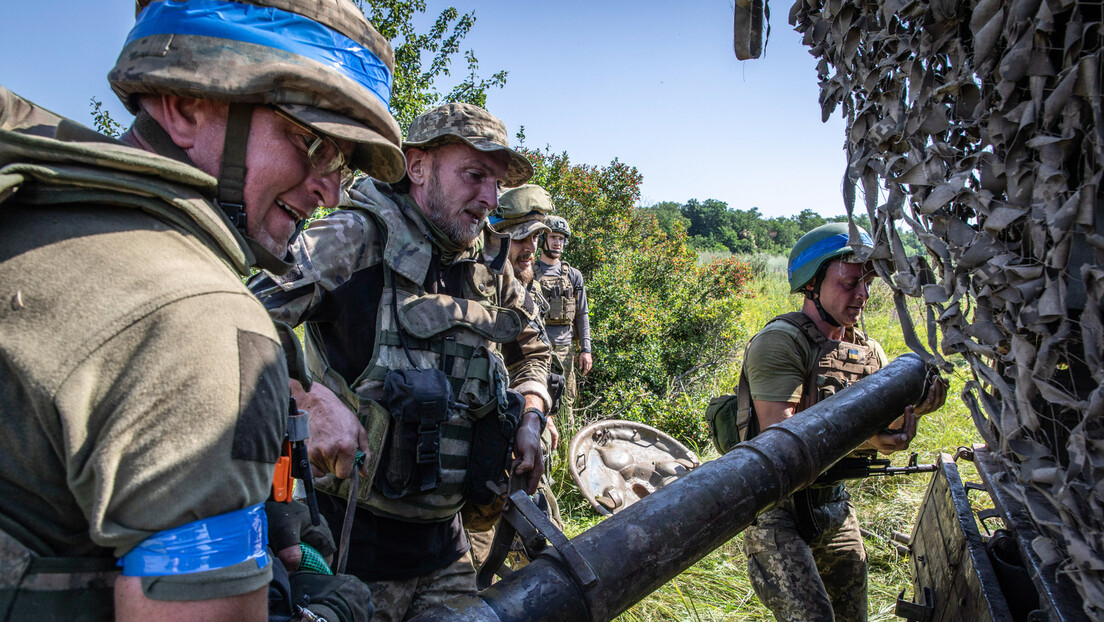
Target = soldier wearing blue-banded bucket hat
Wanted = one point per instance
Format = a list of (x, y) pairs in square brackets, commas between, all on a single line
[(144, 388), (806, 559)]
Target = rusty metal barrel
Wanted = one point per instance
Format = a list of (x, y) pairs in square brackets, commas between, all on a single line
[(649, 543)]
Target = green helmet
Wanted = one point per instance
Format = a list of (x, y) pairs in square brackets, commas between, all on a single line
[(817, 247), (521, 211), (319, 61), (558, 224)]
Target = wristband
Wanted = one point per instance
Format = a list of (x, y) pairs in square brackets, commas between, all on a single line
[(540, 416)]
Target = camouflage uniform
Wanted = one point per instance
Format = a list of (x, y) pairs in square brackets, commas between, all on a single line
[(520, 215), (806, 559), (134, 365), (358, 272), (562, 285)]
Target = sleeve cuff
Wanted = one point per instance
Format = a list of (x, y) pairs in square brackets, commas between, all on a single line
[(531, 387)]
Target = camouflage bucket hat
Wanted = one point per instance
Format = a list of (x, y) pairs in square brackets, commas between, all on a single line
[(467, 124), (320, 61), (521, 211)]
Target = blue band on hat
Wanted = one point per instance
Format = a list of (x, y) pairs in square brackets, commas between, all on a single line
[(207, 544), (823, 247), (269, 27)]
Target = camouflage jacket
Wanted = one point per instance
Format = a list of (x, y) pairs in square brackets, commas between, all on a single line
[(367, 278)]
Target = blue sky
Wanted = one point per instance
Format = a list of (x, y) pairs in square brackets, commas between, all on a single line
[(654, 84)]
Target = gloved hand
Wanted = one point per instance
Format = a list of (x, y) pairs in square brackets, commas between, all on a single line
[(337, 598), (289, 524)]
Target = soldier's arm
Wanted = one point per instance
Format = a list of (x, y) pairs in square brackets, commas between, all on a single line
[(775, 368), (528, 358), (325, 256), (770, 413), (131, 605), (528, 361), (582, 312)]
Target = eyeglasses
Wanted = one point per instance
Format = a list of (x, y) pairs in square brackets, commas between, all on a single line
[(325, 156)]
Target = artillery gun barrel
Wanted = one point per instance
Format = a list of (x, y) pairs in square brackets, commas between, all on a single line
[(639, 549)]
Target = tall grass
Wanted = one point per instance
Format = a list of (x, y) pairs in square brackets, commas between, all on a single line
[(717, 587)]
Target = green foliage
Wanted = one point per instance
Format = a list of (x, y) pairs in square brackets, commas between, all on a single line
[(660, 322), (415, 86), (102, 120)]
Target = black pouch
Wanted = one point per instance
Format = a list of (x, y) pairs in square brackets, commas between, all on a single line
[(556, 386), (419, 401), (492, 449)]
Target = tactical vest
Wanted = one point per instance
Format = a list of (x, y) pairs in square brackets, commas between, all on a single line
[(560, 294), (63, 163), (833, 366), (458, 335)]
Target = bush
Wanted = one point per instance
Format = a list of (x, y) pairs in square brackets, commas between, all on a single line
[(662, 325)]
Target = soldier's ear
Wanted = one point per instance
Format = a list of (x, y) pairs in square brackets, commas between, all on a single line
[(186, 119), (418, 165)]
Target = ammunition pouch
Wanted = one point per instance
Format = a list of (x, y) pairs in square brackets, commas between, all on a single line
[(727, 423), (54, 588), (491, 452), (556, 385), (419, 401), (560, 294)]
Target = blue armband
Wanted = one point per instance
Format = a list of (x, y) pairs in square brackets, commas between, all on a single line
[(207, 544)]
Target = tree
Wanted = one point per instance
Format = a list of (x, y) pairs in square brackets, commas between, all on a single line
[(668, 215), (414, 90)]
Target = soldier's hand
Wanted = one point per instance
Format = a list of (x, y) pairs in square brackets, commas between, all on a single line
[(934, 398), (586, 361), (554, 433), (527, 449), (335, 431), (895, 439), (289, 524)]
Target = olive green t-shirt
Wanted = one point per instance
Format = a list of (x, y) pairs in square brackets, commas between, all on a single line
[(778, 361), (142, 388)]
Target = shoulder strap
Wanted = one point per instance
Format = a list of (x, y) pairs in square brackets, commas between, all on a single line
[(821, 346)]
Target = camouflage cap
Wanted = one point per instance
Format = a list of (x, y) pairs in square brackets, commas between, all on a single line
[(468, 124), (521, 211), (320, 61)]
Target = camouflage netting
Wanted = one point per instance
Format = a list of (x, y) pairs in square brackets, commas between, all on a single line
[(978, 124)]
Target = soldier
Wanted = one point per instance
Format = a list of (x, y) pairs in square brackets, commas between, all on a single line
[(143, 386), (568, 318), (521, 215), (806, 559), (402, 284)]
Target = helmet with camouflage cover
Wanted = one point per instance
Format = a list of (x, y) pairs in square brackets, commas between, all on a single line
[(467, 124), (819, 246), (558, 224), (318, 61), (521, 211)]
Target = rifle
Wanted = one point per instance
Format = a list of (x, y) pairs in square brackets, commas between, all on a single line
[(859, 468)]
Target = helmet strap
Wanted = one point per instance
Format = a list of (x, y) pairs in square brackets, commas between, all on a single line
[(814, 295), (231, 180)]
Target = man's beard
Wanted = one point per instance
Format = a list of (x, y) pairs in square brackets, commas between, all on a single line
[(525, 276), (450, 226), (551, 254)]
